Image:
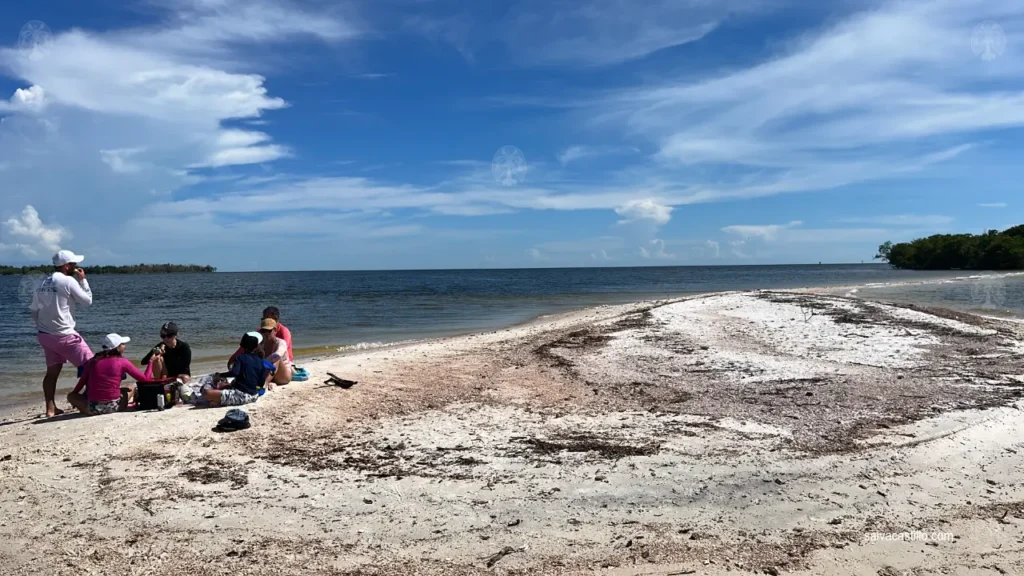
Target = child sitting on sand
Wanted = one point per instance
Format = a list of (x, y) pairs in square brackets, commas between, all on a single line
[(251, 373)]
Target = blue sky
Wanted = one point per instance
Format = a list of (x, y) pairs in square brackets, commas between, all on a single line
[(273, 135)]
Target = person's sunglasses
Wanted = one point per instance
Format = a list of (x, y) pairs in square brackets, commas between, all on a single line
[(166, 336)]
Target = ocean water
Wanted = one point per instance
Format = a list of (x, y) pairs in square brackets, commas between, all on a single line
[(328, 310)]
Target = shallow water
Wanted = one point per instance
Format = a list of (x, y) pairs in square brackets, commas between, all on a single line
[(326, 310)]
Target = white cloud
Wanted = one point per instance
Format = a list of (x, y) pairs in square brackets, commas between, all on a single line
[(168, 89), (119, 160), (713, 249), (656, 251), (30, 236), (993, 205), (647, 209), (245, 155), (31, 99), (901, 220), (766, 231)]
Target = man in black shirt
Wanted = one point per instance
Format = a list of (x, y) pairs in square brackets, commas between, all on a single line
[(171, 357)]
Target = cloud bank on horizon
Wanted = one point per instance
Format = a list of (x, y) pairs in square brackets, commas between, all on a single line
[(277, 135)]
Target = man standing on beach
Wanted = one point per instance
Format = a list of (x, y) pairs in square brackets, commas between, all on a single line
[(53, 306)]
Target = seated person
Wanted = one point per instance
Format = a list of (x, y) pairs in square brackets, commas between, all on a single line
[(250, 372), (275, 351), (281, 332), (102, 379), (171, 358)]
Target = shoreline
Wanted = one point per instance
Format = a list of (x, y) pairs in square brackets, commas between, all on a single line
[(29, 395), (767, 431), (207, 364)]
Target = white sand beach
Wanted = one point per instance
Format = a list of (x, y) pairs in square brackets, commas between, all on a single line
[(755, 432)]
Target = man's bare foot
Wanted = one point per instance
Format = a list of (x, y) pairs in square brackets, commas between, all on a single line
[(54, 412)]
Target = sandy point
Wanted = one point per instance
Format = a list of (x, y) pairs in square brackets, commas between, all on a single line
[(758, 432)]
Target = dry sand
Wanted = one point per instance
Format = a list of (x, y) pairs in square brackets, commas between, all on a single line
[(762, 432)]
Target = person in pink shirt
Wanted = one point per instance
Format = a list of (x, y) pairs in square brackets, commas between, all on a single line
[(102, 379), (281, 332)]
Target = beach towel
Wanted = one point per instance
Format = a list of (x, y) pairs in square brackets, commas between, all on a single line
[(192, 391)]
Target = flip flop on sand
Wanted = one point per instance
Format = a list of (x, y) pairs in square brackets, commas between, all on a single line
[(340, 382)]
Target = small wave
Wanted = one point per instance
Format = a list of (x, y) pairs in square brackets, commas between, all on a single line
[(953, 280), (362, 346)]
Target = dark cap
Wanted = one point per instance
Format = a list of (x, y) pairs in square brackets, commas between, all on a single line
[(249, 342), (170, 329)]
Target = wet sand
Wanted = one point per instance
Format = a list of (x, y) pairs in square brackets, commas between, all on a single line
[(758, 432)]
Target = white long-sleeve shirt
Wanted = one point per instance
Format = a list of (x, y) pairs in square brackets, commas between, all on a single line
[(54, 300)]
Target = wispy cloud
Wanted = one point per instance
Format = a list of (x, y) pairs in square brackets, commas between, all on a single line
[(752, 236), (837, 107), (765, 231), (901, 220), (605, 32), (993, 205), (575, 153), (120, 161), (569, 33)]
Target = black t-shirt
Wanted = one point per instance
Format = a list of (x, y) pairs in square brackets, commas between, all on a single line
[(178, 360)]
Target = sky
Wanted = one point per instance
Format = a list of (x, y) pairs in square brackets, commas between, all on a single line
[(412, 134)]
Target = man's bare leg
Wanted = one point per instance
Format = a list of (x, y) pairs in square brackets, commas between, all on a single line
[(212, 396), (79, 402), (50, 389), (159, 367)]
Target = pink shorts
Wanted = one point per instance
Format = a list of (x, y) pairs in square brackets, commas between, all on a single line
[(61, 348)]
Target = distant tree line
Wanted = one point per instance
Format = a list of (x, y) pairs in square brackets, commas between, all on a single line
[(992, 250), (130, 269)]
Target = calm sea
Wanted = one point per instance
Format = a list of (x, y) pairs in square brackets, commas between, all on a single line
[(328, 310)]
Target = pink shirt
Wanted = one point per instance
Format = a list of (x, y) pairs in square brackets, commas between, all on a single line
[(282, 333), (102, 377), (285, 334)]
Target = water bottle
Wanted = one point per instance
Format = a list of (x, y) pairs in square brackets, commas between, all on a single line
[(160, 401)]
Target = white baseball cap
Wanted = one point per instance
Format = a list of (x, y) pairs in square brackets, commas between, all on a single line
[(112, 340), (66, 257), (257, 336)]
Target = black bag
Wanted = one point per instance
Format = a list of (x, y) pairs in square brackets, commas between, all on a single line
[(147, 394)]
